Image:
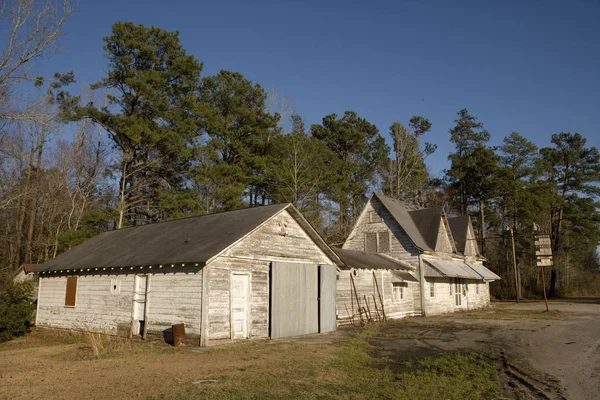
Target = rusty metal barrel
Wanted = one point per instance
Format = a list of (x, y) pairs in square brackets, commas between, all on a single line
[(178, 334)]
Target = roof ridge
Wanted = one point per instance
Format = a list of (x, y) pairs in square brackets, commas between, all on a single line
[(282, 205)]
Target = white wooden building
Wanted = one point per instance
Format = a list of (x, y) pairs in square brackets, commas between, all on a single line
[(448, 270), (374, 286), (253, 273)]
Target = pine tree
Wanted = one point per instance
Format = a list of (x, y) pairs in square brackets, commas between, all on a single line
[(358, 150), (572, 172), (240, 132), (151, 116)]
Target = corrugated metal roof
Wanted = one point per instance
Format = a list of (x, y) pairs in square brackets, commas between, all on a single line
[(459, 227), (453, 269), (368, 260), (431, 272), (487, 274), (403, 276), (186, 240)]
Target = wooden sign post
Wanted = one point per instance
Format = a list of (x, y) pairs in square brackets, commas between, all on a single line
[(543, 255)]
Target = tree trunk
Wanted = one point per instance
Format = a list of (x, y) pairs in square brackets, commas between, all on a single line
[(36, 179), (482, 217), (555, 249), (121, 203)]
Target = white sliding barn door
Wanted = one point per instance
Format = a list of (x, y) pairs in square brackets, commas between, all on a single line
[(294, 299)]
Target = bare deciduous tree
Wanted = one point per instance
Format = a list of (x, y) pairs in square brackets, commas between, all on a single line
[(32, 28)]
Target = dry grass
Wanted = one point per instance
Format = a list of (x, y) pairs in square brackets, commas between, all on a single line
[(114, 368)]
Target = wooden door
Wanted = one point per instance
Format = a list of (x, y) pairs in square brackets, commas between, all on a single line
[(457, 292), (240, 293)]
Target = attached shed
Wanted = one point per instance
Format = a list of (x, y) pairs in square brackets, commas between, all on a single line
[(253, 273), (373, 285)]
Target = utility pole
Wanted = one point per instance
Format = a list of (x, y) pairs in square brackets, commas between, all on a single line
[(514, 255)]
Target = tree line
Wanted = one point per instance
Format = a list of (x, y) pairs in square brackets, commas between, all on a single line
[(154, 140)]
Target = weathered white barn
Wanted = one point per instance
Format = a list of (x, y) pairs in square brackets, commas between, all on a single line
[(253, 273), (448, 271)]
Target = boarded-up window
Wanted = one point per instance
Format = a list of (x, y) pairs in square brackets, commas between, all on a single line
[(384, 242), (71, 295), (377, 242), (371, 241)]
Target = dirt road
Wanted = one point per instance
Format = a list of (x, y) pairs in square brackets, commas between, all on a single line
[(568, 349), (545, 356)]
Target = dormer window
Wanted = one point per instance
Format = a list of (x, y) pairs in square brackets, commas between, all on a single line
[(374, 217)]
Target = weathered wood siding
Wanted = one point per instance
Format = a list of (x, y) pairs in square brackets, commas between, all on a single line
[(443, 244), (219, 296), (401, 249), (175, 298), (364, 282), (280, 239), (471, 248), (444, 302), (401, 246), (477, 300), (96, 309)]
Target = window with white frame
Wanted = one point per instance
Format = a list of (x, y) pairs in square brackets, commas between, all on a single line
[(432, 289), (398, 291)]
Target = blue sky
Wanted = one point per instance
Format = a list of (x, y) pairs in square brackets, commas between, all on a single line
[(529, 66)]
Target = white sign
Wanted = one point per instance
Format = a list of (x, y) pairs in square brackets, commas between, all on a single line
[(543, 250)]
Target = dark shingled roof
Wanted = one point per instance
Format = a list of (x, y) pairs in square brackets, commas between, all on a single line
[(368, 260), (459, 227), (420, 224), (186, 240), (428, 221), (401, 213)]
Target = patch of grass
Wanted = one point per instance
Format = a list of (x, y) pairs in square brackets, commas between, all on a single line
[(43, 337), (347, 370)]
